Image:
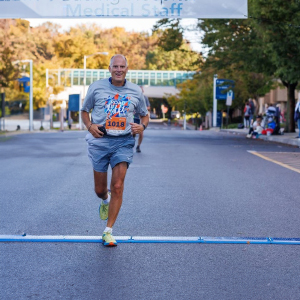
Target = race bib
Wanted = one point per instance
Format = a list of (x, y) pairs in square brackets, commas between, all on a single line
[(115, 125)]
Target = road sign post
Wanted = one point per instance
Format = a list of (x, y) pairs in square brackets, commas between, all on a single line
[(223, 90), (228, 103)]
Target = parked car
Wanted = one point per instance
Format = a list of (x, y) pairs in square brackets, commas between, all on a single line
[(153, 115), (175, 114)]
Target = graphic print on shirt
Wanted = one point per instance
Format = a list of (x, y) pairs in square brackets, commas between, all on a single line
[(116, 109)]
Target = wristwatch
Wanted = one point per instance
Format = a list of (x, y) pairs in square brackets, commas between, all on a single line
[(144, 126)]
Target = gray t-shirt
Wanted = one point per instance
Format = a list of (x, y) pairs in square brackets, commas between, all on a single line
[(136, 115), (113, 106)]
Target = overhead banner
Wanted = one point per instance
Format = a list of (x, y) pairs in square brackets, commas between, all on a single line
[(204, 9)]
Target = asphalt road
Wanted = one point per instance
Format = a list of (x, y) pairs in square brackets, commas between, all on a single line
[(183, 183)]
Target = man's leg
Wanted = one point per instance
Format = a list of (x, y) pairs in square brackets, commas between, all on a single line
[(100, 179), (141, 135), (117, 188), (139, 142), (101, 191)]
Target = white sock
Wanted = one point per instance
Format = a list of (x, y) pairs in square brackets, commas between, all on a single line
[(108, 230), (107, 200)]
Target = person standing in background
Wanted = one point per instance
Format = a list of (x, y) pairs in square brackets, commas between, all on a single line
[(252, 110), (137, 120), (247, 115), (297, 113)]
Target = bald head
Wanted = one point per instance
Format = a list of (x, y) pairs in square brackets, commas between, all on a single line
[(119, 56)]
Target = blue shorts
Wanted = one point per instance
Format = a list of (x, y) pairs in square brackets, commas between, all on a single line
[(109, 150)]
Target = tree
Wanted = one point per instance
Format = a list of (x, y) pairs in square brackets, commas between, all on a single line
[(220, 36), (195, 95), (158, 59), (277, 25), (170, 34), (234, 50), (50, 48), (266, 44), (8, 72), (260, 49)]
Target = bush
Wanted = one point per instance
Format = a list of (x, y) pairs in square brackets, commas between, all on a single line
[(233, 126)]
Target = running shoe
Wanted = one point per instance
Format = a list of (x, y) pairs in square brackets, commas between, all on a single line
[(138, 149), (103, 209), (108, 240)]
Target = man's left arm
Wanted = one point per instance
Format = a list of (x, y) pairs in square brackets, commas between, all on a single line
[(139, 128)]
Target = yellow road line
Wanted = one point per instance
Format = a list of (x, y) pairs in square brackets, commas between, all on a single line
[(274, 161)]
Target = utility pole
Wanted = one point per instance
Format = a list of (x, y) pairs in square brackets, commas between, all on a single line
[(30, 91)]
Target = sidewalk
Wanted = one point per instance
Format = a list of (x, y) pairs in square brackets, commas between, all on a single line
[(286, 138), (12, 123)]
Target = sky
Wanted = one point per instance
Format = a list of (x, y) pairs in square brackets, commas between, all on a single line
[(137, 25)]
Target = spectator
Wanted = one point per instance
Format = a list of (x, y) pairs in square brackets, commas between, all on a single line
[(252, 109), (136, 119), (247, 109), (256, 127), (270, 127), (70, 122), (297, 116)]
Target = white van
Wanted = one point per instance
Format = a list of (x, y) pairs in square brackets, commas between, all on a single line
[(175, 114)]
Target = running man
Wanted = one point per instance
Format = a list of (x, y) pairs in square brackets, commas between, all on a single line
[(110, 140), (137, 120)]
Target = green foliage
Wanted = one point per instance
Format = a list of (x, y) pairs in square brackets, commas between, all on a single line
[(159, 59), (195, 95), (170, 34), (259, 49), (234, 51), (254, 52), (277, 24), (233, 126)]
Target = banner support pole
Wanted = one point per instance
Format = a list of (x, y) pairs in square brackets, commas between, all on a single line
[(215, 102)]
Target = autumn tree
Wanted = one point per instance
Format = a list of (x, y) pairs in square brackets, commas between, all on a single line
[(51, 48)]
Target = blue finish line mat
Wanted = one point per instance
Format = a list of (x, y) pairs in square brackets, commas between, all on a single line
[(150, 239)]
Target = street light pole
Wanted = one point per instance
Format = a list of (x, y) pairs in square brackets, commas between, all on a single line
[(30, 91), (31, 98)]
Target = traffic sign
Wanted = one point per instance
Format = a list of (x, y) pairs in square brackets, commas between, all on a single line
[(229, 98), (222, 88), (164, 109), (74, 102)]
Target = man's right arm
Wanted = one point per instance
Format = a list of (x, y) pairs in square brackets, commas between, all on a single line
[(92, 128)]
